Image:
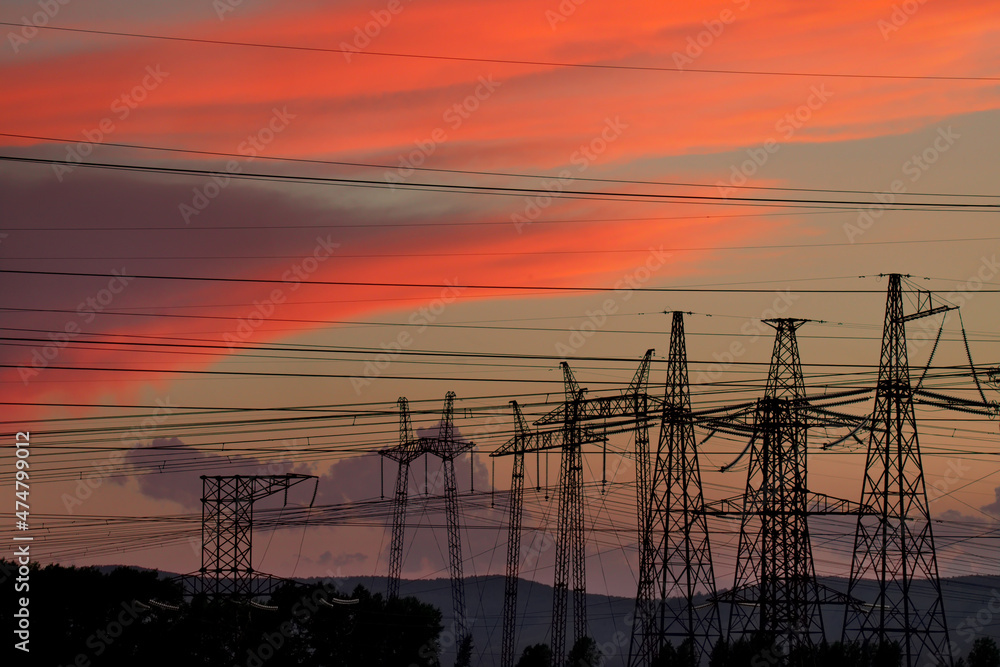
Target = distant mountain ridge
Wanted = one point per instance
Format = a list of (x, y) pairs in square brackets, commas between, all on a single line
[(972, 604)]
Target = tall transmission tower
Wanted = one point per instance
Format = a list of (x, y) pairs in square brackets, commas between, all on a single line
[(896, 545), (522, 434), (576, 422), (446, 446), (640, 402), (775, 595), (774, 561), (526, 439), (570, 544), (404, 454), (226, 534), (678, 558)]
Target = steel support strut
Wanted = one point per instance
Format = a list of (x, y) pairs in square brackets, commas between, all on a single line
[(895, 546)]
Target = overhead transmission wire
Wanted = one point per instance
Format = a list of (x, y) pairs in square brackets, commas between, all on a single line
[(508, 61), (468, 172), (473, 286), (496, 190), (373, 439), (320, 453), (287, 346), (958, 371), (518, 253), (337, 355), (611, 529), (351, 410), (623, 506)]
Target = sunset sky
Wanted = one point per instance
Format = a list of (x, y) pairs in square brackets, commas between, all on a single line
[(444, 177)]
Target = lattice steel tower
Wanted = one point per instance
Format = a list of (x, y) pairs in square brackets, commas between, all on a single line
[(679, 560), (576, 422), (570, 545), (896, 545), (775, 587), (522, 434), (527, 440), (447, 447), (226, 530)]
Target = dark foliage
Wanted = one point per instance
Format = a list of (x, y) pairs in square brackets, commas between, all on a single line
[(536, 655), (984, 653), (83, 617)]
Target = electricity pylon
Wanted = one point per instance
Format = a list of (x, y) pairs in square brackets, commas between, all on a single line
[(774, 565), (570, 544), (526, 440), (775, 596), (226, 535), (446, 446), (678, 562), (895, 546), (577, 421)]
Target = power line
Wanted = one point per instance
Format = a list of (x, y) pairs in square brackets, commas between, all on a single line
[(595, 195), (603, 251), (472, 223), (209, 344), (467, 172), (507, 61), (492, 287), (353, 323)]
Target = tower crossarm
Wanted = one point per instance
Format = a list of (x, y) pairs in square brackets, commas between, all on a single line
[(444, 449), (816, 504), (750, 596), (820, 399), (990, 409), (925, 313), (601, 407), (724, 507), (837, 418), (257, 487), (540, 440), (732, 420), (820, 504), (810, 410), (821, 418), (606, 407), (405, 453)]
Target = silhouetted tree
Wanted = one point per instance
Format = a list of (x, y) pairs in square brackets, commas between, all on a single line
[(76, 612), (682, 656), (984, 653), (887, 654), (464, 657), (86, 616), (666, 656), (536, 655), (395, 632), (719, 657), (584, 653)]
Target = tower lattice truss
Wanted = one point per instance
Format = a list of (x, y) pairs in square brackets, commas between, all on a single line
[(447, 447), (578, 421), (226, 534), (895, 545), (776, 595), (677, 567)]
